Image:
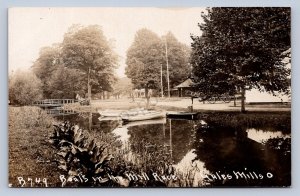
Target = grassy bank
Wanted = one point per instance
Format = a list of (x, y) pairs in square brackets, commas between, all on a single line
[(34, 162), (30, 155), (272, 120)]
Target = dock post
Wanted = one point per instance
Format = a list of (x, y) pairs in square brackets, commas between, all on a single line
[(192, 104)]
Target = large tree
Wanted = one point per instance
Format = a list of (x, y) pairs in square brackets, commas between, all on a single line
[(88, 50), (242, 48), (144, 59), (147, 57), (57, 80)]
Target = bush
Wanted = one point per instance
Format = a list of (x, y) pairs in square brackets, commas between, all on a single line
[(83, 155), (24, 88), (79, 155)]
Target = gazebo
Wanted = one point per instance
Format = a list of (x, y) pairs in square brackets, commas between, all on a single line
[(184, 87)]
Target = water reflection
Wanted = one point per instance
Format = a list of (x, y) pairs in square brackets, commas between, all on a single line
[(122, 132), (90, 121), (229, 151), (122, 129), (261, 136), (203, 154), (173, 134), (218, 156), (194, 168), (59, 111)]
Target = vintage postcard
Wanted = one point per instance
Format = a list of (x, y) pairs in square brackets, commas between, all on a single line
[(149, 97)]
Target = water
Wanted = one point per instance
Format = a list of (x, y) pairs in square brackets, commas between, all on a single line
[(205, 154)]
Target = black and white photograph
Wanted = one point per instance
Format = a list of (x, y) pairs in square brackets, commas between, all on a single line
[(148, 97)]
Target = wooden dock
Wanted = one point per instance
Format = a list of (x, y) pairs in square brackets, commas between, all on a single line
[(183, 115), (59, 112)]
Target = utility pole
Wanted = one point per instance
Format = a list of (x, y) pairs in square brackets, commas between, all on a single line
[(171, 149), (89, 86), (161, 81), (167, 68)]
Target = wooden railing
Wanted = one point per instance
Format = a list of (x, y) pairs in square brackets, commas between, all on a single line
[(53, 102)]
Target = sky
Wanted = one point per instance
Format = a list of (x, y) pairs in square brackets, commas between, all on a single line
[(30, 29)]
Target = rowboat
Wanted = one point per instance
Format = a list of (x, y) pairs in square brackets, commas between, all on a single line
[(118, 113), (110, 113), (143, 115)]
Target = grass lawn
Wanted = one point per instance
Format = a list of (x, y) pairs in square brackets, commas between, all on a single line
[(30, 155)]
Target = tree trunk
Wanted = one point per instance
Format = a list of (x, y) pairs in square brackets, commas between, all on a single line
[(243, 110), (89, 86), (234, 101)]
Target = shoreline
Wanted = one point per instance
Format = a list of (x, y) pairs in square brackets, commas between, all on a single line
[(176, 104)]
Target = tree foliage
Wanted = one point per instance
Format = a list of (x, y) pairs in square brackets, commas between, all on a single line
[(88, 50), (24, 88), (57, 80), (45, 65), (178, 57), (65, 68), (241, 48), (123, 87), (144, 59), (66, 83), (147, 56)]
